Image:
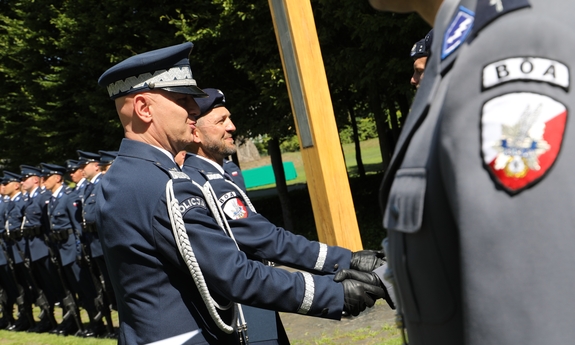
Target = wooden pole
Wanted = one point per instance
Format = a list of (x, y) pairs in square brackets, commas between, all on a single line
[(324, 165)]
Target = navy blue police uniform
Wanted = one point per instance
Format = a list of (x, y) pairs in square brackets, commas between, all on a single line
[(35, 230), (147, 271), (7, 279), (65, 233), (262, 240), (234, 171), (16, 241), (90, 237)]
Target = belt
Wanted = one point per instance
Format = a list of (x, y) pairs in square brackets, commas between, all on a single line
[(32, 231), (60, 235), (89, 227), (16, 235)]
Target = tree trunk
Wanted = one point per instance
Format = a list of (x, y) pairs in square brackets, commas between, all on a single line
[(281, 185), (383, 131), (235, 159), (358, 159)]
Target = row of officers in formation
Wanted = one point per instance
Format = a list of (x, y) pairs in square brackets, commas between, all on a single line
[(50, 252)]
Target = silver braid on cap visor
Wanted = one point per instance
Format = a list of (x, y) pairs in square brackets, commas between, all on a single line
[(308, 294), (321, 257), (176, 76)]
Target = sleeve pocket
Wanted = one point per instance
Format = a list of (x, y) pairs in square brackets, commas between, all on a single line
[(404, 210)]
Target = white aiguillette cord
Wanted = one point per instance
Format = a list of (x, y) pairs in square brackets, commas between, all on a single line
[(187, 253)]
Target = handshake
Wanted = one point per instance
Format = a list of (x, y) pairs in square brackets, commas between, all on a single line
[(361, 286)]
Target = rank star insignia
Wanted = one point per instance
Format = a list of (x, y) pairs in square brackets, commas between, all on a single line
[(521, 137)]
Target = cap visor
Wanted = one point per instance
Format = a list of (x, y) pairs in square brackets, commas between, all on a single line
[(188, 90)]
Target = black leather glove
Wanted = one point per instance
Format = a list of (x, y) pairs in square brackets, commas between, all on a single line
[(368, 278), (366, 260), (358, 295)]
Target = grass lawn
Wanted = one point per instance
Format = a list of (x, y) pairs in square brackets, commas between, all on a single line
[(370, 154)]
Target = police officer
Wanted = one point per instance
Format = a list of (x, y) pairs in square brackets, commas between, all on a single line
[(477, 198), (91, 247), (7, 276), (15, 240), (212, 142), (419, 53), (153, 94), (76, 172), (65, 233), (34, 228)]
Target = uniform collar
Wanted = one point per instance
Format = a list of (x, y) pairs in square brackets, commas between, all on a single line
[(166, 152), (216, 165), (95, 178), (16, 196)]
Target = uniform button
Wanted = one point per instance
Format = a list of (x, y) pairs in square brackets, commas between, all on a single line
[(325, 311), (336, 266)]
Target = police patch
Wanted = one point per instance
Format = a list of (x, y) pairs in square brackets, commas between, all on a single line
[(457, 31), (235, 209), (521, 135), (190, 203), (526, 68)]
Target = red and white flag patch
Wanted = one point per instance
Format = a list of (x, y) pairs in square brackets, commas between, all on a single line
[(235, 209), (521, 135)]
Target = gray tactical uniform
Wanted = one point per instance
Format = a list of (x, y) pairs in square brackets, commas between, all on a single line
[(479, 197)]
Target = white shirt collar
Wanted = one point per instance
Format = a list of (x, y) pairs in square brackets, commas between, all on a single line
[(55, 194), (15, 196), (95, 177)]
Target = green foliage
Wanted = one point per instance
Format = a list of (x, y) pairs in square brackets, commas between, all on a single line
[(290, 144), (261, 143), (52, 53), (366, 130)]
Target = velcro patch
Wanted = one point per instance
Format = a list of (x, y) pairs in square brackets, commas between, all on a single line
[(521, 135), (235, 209), (457, 31), (190, 203), (526, 68)]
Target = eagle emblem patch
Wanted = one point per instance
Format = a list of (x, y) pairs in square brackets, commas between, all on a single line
[(521, 135), (235, 209)]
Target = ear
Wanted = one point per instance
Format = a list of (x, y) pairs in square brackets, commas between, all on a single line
[(196, 133), (142, 103)]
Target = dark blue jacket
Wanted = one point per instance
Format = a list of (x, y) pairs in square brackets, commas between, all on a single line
[(3, 204), (14, 214), (157, 298), (36, 212), (91, 239), (62, 210)]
